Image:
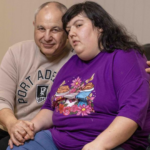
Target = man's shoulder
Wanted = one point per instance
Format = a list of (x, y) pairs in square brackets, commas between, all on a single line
[(24, 45), (27, 43), (24, 49)]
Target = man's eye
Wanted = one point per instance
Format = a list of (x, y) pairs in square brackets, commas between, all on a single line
[(55, 30), (41, 29)]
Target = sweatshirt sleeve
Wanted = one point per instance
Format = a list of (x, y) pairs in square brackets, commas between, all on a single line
[(131, 83), (8, 81)]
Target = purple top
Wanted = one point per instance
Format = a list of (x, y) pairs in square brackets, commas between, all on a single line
[(87, 96)]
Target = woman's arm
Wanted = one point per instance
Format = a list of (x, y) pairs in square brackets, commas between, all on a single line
[(43, 120), (120, 130)]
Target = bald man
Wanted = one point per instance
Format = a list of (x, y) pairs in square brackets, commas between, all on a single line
[(28, 70)]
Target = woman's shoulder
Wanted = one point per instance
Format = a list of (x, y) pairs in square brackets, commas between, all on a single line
[(130, 62), (129, 57), (127, 53)]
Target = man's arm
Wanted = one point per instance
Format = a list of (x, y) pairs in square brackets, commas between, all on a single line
[(17, 129), (8, 84), (43, 120)]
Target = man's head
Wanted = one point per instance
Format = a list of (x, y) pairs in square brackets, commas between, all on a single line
[(48, 29)]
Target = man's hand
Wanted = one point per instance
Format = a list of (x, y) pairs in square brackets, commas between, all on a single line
[(148, 69), (20, 131), (10, 143)]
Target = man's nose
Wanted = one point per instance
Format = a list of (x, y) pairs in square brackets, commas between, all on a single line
[(48, 36)]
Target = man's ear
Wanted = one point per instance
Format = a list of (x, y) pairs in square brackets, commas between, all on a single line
[(34, 23)]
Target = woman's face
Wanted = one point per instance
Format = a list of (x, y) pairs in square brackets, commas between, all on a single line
[(83, 37)]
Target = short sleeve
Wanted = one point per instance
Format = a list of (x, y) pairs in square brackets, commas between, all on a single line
[(131, 84), (49, 102)]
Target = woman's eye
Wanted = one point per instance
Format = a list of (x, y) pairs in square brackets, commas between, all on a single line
[(79, 25)]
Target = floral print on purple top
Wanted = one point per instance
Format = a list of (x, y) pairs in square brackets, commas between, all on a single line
[(75, 100)]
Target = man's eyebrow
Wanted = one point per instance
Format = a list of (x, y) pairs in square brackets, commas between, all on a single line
[(53, 27), (75, 22), (40, 26), (56, 27)]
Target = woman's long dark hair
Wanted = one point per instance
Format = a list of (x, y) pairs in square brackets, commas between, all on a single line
[(114, 36)]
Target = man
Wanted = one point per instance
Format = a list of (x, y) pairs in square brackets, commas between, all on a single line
[(28, 70)]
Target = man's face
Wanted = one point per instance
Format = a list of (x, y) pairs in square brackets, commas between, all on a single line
[(48, 31)]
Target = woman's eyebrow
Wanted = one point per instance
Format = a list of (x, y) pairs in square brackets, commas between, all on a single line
[(75, 22)]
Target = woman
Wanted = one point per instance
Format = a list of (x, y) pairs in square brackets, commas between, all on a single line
[(100, 98)]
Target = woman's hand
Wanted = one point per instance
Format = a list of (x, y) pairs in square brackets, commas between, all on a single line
[(94, 145)]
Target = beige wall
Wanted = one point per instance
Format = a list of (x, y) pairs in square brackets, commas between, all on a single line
[(16, 17)]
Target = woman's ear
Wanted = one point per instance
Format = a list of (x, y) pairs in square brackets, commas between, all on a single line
[(100, 30)]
